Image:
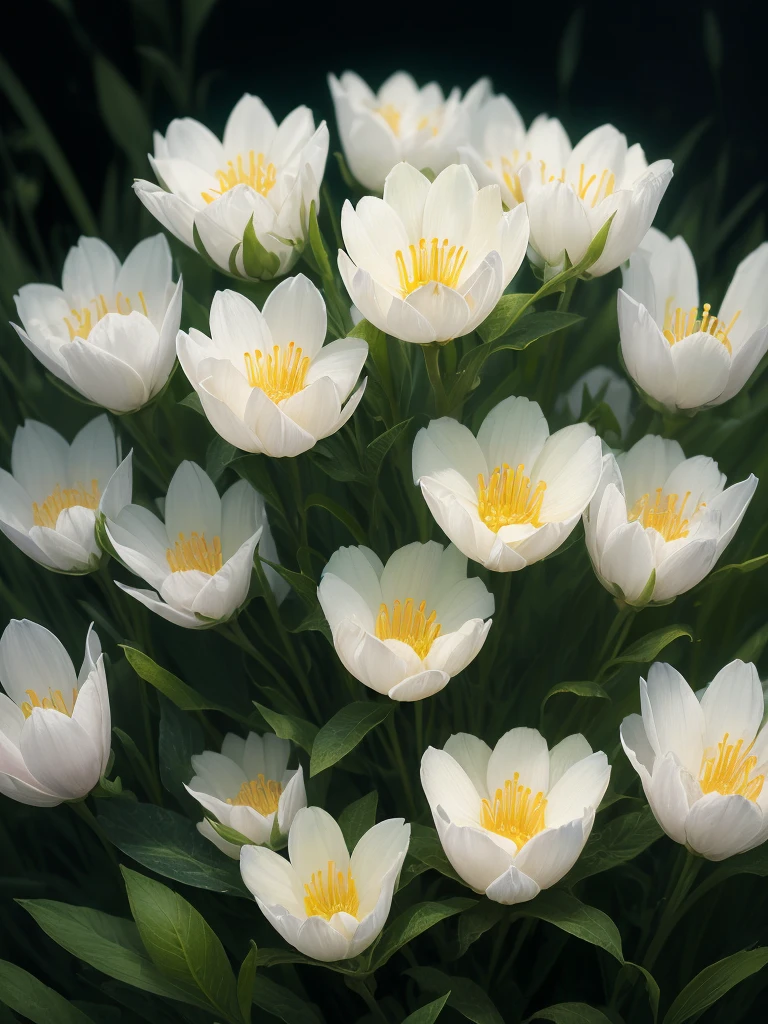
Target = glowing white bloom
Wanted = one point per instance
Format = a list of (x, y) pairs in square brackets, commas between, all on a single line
[(243, 201), (513, 820), (246, 787), (265, 380), (569, 203), (703, 761), (50, 499), (55, 725), (200, 559), (658, 522), (511, 495), (430, 260), (326, 903), (684, 357), (110, 331), (499, 145), (400, 122), (405, 628), (601, 383)]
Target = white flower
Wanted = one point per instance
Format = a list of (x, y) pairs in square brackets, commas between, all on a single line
[(246, 786), (265, 380), (244, 201), (54, 725), (499, 146), (601, 382), (513, 820), (200, 560), (405, 628), (326, 903), (682, 357), (569, 203), (400, 122), (110, 331), (656, 512), (50, 499), (512, 495), (703, 761), (430, 260)]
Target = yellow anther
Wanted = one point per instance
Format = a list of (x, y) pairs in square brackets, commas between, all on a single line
[(730, 770), (681, 323), (262, 794), (251, 170), (417, 629), (663, 515), (280, 374), (47, 512), (506, 498), (391, 115), (81, 321), (195, 554), (438, 262), (53, 702), (514, 813), (330, 894)]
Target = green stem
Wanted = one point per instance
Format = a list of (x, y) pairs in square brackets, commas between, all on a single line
[(671, 914), (362, 989), (85, 814), (400, 762), (233, 632), (615, 636), (432, 360)]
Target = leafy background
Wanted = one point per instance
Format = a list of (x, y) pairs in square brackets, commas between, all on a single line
[(82, 86)]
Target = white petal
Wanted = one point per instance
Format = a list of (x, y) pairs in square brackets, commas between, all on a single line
[(520, 751)]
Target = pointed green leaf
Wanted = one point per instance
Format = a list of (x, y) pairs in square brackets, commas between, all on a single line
[(464, 995), (289, 727), (588, 923), (378, 448), (344, 731), (245, 979), (357, 818), (21, 991), (620, 841), (339, 512), (428, 1013), (502, 316), (258, 262), (713, 983), (585, 688), (572, 1013), (412, 923), (650, 646)]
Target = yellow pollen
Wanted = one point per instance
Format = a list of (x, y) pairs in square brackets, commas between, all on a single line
[(195, 554), (83, 320), (546, 177), (279, 375), (418, 629), (728, 771), (442, 264), (423, 123), (605, 185), (332, 894), (250, 170), (262, 794), (509, 169), (506, 499), (47, 513), (53, 702), (663, 515), (391, 115), (514, 813), (681, 324)]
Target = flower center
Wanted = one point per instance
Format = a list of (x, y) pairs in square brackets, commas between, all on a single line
[(599, 188), (506, 499), (47, 513), (418, 630), (195, 554), (53, 702), (509, 168), (514, 813), (442, 264), (331, 893), (262, 794), (663, 515), (249, 170), (279, 375), (391, 115), (681, 324), (729, 771), (82, 320)]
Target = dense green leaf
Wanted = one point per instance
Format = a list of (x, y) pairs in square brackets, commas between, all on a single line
[(412, 922), (749, 566), (357, 818), (38, 1003), (620, 841), (588, 923), (289, 727), (585, 688), (181, 736), (337, 510), (713, 983), (571, 1013), (245, 979), (502, 316), (281, 1002), (122, 111), (344, 731), (650, 646), (304, 586), (464, 995), (425, 846), (428, 1013), (378, 448)]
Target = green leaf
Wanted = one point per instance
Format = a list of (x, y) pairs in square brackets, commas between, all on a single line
[(585, 688), (169, 844), (259, 263), (289, 727), (413, 922), (357, 818), (218, 456), (245, 979), (620, 841), (650, 646), (376, 451), (22, 992), (476, 922), (230, 835), (337, 510), (304, 586), (572, 1013), (464, 996), (748, 566), (502, 316), (122, 112), (428, 1013), (425, 846), (181, 736), (318, 246), (180, 942), (281, 1002), (344, 731), (588, 923), (713, 982), (192, 401)]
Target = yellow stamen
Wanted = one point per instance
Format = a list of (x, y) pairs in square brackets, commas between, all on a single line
[(47, 513), (53, 702), (249, 171), (663, 515), (506, 498), (513, 813), (729, 771), (195, 554), (682, 324), (279, 375), (442, 264), (418, 630), (605, 185), (509, 169), (331, 895), (391, 115), (262, 794), (83, 320)]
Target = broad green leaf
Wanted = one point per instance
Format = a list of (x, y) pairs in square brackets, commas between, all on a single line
[(245, 979), (281, 1002), (218, 456), (651, 985), (122, 111), (425, 846), (289, 727), (588, 923), (21, 991), (181, 736), (344, 731), (502, 316), (316, 621), (749, 566), (474, 923), (378, 448), (428, 1013), (342, 514), (192, 401), (464, 995), (318, 246), (357, 818), (304, 586), (713, 982), (412, 922), (621, 840), (571, 1013), (650, 646), (585, 688), (258, 262)]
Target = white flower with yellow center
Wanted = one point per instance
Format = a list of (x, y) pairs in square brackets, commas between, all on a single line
[(55, 725), (513, 820), (246, 787), (703, 760), (400, 122), (570, 202), (658, 522), (50, 499), (200, 559), (430, 260), (499, 145), (328, 904), (511, 495), (406, 627), (265, 380), (683, 355), (243, 201), (110, 331)]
